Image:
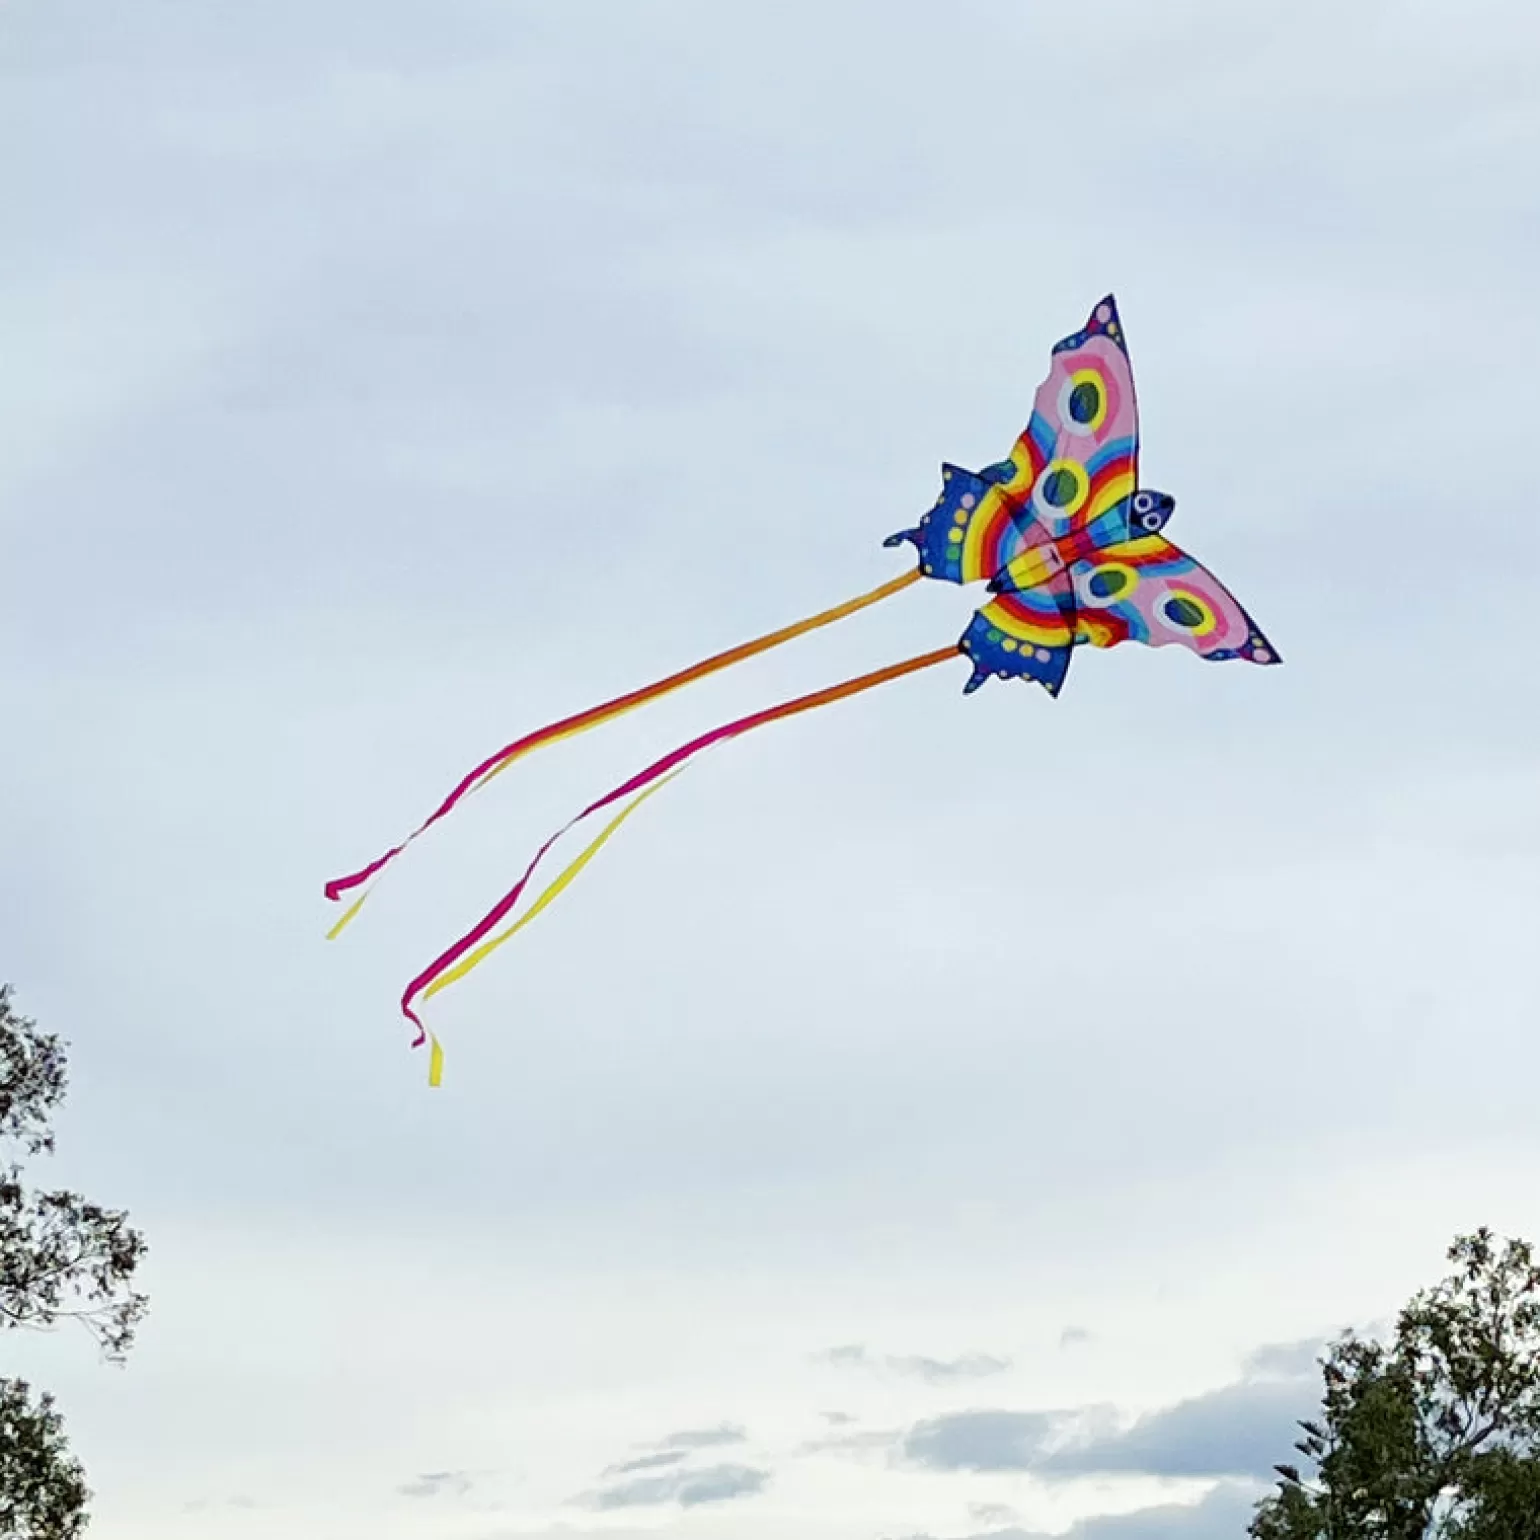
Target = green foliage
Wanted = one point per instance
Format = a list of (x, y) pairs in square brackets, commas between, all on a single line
[(32, 1079), (1436, 1433), (42, 1487), (62, 1258), (1504, 1504)]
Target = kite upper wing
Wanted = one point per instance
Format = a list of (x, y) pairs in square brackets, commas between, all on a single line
[(1077, 458), (1150, 591), (1079, 455)]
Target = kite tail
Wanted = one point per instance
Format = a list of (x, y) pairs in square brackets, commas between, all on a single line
[(478, 943), (569, 727)]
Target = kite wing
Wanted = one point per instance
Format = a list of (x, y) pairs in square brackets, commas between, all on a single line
[(1027, 633), (1079, 456), (1077, 459), (973, 530), (1150, 591)]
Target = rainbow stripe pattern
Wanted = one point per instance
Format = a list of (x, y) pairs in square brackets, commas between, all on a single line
[(1076, 462)]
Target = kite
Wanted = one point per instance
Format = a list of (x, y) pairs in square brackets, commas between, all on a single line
[(1071, 548)]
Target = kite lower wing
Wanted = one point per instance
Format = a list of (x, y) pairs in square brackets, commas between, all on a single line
[(1150, 591), (1024, 634)]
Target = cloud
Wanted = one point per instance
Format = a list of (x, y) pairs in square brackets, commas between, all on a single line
[(1013, 1532), (657, 1461), (983, 1440), (941, 1371), (1010, 1532), (993, 1514), (858, 1442), (1072, 1335), (851, 1355), (837, 1419), (1239, 1430), (437, 1483), (1286, 1360), (689, 1489), (1222, 1514), (935, 1371), (658, 1476), (705, 1438)]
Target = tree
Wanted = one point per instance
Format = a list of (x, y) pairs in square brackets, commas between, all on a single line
[(42, 1486), (62, 1258), (1436, 1433)]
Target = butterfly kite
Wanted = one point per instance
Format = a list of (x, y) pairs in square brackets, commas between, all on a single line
[(1069, 543)]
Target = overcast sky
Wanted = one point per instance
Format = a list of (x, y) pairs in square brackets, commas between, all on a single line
[(918, 1118)]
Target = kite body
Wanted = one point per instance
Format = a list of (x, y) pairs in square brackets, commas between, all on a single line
[(1067, 539), (1069, 544)]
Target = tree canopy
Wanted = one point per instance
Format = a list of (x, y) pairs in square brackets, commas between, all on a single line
[(1435, 1434), (62, 1258)]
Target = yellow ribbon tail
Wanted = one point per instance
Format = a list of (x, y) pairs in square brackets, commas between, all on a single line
[(346, 920), (560, 883)]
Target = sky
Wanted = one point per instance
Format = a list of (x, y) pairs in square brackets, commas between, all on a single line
[(932, 1118)]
